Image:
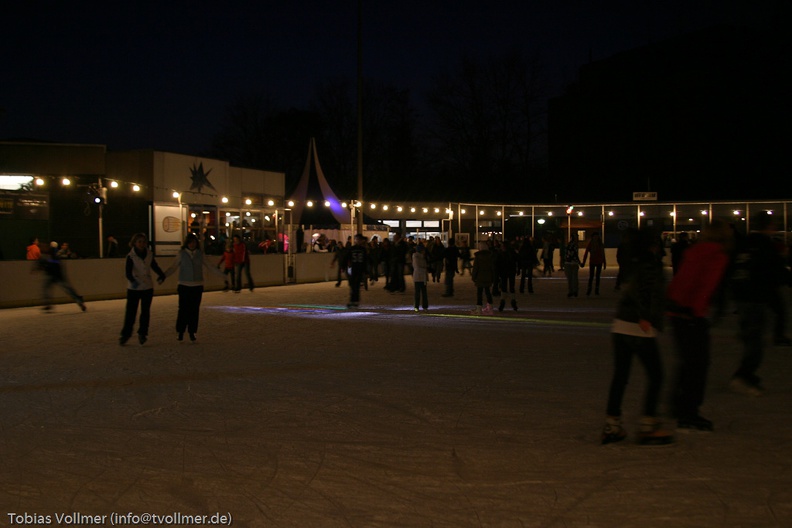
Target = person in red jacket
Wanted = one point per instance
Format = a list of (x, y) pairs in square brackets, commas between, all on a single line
[(33, 250), (227, 261), (699, 276), (240, 261)]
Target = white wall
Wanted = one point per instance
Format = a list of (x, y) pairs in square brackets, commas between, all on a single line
[(97, 279)]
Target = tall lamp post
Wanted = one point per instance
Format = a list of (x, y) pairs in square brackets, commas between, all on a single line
[(360, 113)]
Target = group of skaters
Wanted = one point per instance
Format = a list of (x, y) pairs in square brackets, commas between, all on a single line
[(721, 272), (391, 260), (235, 261), (721, 269), (190, 263), (495, 268)]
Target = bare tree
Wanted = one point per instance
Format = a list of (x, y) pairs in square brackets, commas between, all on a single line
[(488, 122), (257, 133), (389, 151)]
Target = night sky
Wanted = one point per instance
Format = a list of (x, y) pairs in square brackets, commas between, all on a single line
[(160, 74)]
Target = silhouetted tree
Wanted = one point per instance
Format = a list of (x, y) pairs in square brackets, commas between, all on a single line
[(488, 124), (258, 134), (389, 152)]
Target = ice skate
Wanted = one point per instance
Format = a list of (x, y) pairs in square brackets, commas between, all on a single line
[(743, 386), (651, 433), (613, 430), (487, 310), (476, 310), (514, 304), (502, 305), (695, 423)]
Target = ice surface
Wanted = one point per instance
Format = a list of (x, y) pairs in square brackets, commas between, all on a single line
[(292, 411)]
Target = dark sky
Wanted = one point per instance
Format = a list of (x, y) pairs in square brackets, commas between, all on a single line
[(160, 74)]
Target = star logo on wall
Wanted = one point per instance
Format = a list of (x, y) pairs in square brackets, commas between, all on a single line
[(200, 178)]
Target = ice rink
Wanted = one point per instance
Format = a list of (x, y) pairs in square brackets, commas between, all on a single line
[(292, 411)]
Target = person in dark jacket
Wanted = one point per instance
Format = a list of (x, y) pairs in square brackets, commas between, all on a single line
[(398, 258), (450, 259), (678, 249), (483, 275), (596, 250), (639, 318), (528, 261), (507, 265), (356, 262), (758, 273), (54, 274)]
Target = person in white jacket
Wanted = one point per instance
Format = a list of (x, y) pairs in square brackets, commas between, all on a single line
[(419, 277), (190, 262), (140, 287)]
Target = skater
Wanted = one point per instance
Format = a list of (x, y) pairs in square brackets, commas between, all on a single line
[(483, 274), (464, 255), (528, 261), (758, 273), (436, 254), (140, 287), (547, 256), (190, 263), (451, 258), (54, 274), (241, 262), (572, 265), (639, 318), (698, 279), (33, 250), (339, 257), (596, 249), (398, 260), (356, 260), (419, 278), (227, 262), (507, 264)]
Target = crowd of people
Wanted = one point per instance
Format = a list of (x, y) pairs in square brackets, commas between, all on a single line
[(716, 270)]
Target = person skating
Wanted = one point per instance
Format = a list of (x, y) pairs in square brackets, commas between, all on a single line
[(190, 263), (528, 261), (638, 320), (507, 265), (572, 265), (450, 258), (356, 261), (699, 277), (596, 250), (419, 278), (140, 287), (227, 263), (55, 275), (483, 275), (758, 273)]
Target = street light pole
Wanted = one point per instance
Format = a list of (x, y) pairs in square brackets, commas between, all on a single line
[(360, 112)]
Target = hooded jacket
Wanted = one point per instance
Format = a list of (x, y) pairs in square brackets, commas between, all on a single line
[(699, 276)]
